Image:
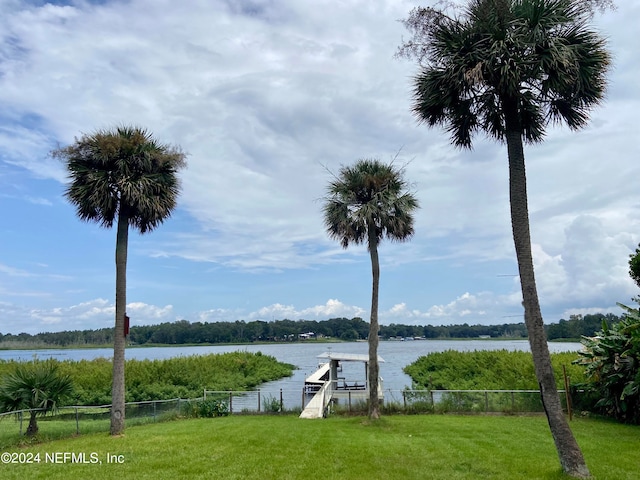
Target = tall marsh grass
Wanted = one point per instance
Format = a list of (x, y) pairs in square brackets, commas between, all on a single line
[(178, 377)]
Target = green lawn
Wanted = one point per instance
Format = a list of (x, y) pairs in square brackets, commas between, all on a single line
[(285, 447)]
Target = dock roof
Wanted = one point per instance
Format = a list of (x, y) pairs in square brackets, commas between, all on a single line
[(348, 357)]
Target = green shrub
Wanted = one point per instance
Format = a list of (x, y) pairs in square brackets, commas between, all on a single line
[(612, 364), (486, 370), (205, 408), (271, 404)]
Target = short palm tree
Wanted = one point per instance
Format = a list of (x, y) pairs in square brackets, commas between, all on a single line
[(37, 387), (508, 68), (122, 175), (365, 203)]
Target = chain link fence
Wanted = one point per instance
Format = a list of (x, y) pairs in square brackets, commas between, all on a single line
[(77, 420)]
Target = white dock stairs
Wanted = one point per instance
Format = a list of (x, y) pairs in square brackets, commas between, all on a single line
[(317, 405)]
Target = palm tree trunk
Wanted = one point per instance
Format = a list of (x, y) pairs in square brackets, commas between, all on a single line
[(374, 402), (571, 458), (32, 429), (117, 388)]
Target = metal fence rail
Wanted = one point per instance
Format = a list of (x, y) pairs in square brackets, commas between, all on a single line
[(77, 419), (80, 419), (489, 401)]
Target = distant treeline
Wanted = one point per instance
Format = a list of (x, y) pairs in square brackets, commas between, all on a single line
[(184, 332)]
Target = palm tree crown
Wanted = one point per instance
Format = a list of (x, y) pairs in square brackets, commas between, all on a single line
[(122, 170), (38, 387), (369, 194), (507, 65)]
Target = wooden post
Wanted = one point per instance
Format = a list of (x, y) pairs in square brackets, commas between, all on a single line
[(567, 394)]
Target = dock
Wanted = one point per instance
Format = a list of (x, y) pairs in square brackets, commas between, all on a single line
[(327, 385), (314, 382)]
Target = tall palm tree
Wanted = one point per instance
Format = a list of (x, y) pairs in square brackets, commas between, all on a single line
[(37, 387), (365, 203), (122, 175), (508, 68)]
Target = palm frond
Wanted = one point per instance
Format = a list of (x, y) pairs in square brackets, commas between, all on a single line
[(124, 168), (539, 55), (369, 194)]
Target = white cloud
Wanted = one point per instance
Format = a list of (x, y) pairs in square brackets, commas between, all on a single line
[(14, 272), (591, 266), (18, 272), (218, 315), (331, 309), (478, 308), (95, 314)]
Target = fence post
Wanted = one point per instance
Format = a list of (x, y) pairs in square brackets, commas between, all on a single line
[(230, 401), (567, 394), (404, 399), (486, 401), (154, 410), (281, 403), (77, 423), (513, 402), (20, 415), (431, 395), (258, 400)]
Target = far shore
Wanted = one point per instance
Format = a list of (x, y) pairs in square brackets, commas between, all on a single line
[(41, 346)]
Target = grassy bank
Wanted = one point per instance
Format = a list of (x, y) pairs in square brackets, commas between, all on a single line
[(183, 377), (285, 447)]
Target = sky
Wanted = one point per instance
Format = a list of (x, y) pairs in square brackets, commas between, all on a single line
[(269, 99)]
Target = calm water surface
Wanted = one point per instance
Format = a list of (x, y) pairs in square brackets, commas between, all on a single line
[(396, 356)]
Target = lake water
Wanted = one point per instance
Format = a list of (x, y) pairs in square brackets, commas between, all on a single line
[(304, 356)]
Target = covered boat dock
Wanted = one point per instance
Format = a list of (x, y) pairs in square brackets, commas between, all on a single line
[(329, 385)]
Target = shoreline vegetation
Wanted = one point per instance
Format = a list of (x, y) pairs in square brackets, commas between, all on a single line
[(177, 377), (285, 331)]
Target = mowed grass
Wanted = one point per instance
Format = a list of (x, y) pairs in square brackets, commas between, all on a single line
[(286, 447)]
